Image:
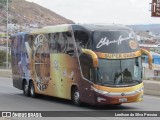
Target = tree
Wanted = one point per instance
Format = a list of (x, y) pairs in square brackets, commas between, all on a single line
[(15, 21), (2, 57), (4, 2)]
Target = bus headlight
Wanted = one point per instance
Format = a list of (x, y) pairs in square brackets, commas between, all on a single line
[(100, 91), (115, 94)]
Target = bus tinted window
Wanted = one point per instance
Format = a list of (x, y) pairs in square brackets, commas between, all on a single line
[(61, 43), (53, 42), (82, 39), (118, 41)]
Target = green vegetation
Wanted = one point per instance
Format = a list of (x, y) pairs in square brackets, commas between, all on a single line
[(3, 58), (3, 35), (5, 1)]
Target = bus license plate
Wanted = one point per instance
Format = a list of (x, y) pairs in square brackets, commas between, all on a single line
[(122, 99)]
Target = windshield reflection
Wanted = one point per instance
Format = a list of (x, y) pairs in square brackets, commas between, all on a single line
[(119, 72)]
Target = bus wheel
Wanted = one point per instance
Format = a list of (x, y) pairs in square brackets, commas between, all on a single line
[(25, 88), (32, 90), (76, 97), (118, 104)]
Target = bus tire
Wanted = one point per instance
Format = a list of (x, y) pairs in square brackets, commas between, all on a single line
[(32, 89), (76, 97), (25, 88), (118, 104)]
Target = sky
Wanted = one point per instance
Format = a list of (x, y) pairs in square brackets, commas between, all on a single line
[(126, 12)]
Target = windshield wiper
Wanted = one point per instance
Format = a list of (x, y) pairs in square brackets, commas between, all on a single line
[(139, 81)]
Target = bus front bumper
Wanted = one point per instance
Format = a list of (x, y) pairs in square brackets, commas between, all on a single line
[(104, 98)]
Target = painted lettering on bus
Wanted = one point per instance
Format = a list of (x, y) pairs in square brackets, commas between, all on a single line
[(120, 56), (107, 42)]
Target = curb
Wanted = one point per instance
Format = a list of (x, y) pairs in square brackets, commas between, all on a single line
[(5, 73), (152, 87)]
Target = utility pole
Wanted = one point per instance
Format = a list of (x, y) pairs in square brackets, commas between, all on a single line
[(7, 39)]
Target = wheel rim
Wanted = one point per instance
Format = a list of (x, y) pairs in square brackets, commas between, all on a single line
[(32, 90), (76, 97), (25, 88)]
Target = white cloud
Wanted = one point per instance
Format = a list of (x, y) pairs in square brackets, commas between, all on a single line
[(102, 11)]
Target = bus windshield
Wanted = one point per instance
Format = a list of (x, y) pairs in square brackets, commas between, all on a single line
[(122, 72)]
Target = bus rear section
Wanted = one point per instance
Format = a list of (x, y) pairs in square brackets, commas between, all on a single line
[(20, 60)]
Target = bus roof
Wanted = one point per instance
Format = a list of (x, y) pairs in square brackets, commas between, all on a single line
[(96, 27), (52, 29), (89, 27)]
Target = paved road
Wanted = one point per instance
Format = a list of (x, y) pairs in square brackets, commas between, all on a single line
[(12, 99)]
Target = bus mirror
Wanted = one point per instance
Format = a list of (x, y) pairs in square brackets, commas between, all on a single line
[(93, 55), (149, 57)]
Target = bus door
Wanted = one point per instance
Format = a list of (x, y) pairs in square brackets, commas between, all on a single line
[(88, 78), (82, 39)]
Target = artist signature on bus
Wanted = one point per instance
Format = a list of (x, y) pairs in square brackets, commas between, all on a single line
[(106, 41), (63, 72)]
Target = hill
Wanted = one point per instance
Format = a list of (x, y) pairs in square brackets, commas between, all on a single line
[(154, 28), (23, 12)]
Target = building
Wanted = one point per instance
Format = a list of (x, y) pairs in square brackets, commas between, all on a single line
[(155, 72)]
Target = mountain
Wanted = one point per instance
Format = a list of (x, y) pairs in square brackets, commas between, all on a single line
[(154, 28), (23, 12)]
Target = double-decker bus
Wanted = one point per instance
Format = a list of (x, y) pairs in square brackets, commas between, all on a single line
[(95, 64)]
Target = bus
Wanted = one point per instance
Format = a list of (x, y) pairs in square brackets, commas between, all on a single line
[(85, 63)]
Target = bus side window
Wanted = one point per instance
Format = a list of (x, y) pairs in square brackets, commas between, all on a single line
[(86, 66), (61, 43), (31, 41), (53, 42), (82, 39), (92, 74), (69, 44)]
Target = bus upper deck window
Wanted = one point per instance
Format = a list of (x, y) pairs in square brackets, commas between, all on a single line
[(81, 38)]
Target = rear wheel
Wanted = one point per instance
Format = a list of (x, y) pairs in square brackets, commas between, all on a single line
[(76, 97), (25, 88), (118, 104), (32, 90)]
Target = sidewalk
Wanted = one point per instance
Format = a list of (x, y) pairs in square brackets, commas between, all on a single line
[(5, 73), (152, 87)]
